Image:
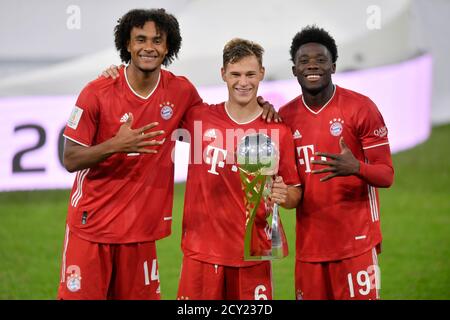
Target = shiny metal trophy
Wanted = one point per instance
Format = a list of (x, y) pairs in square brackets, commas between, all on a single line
[(257, 159)]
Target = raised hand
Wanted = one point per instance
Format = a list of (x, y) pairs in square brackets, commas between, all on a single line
[(343, 164), (130, 140), (269, 112)]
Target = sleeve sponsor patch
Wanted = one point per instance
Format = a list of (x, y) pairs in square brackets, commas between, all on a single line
[(75, 117), (381, 132)]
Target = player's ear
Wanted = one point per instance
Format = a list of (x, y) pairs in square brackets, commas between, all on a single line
[(333, 68), (128, 46), (222, 71), (294, 71), (263, 72)]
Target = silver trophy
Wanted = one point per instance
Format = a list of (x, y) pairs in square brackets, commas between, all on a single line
[(257, 159)]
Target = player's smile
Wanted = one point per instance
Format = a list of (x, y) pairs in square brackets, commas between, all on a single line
[(243, 91), (313, 67), (242, 78), (313, 77), (148, 47), (148, 57)]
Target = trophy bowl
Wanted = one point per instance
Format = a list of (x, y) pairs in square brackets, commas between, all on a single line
[(256, 153)]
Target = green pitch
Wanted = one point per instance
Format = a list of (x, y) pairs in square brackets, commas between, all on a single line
[(415, 216)]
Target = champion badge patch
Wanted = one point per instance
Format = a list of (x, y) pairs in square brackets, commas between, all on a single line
[(75, 117)]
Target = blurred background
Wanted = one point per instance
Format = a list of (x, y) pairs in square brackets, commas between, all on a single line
[(396, 52)]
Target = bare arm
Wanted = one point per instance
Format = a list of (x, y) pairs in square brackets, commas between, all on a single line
[(286, 196), (126, 140)]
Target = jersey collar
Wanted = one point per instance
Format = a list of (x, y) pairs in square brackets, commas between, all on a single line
[(311, 110), (240, 123), (137, 94)]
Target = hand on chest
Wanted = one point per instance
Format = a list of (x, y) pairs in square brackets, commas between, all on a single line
[(114, 115)]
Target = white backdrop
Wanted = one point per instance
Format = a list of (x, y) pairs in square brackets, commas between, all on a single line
[(31, 128)]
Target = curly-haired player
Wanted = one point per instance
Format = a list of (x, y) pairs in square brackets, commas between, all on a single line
[(121, 200), (165, 24)]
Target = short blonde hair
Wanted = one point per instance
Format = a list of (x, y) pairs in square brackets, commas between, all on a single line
[(237, 48)]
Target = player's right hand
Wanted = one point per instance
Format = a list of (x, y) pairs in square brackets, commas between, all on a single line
[(131, 140), (279, 191), (112, 71)]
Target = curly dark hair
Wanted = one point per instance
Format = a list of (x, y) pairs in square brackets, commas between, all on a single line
[(315, 34), (165, 22)]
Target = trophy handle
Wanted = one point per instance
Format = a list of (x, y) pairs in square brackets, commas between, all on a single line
[(279, 241), (276, 239)]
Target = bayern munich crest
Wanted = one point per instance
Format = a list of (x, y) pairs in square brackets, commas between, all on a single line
[(74, 282), (166, 110), (336, 127)]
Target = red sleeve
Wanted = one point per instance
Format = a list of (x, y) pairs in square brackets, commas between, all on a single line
[(373, 134), (194, 113), (371, 129), (195, 98), (378, 171), (288, 168), (82, 124)]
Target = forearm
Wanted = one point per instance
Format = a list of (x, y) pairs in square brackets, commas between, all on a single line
[(378, 170), (294, 195), (377, 175), (78, 157)]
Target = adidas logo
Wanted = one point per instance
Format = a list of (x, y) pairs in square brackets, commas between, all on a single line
[(211, 133), (297, 134), (124, 117)]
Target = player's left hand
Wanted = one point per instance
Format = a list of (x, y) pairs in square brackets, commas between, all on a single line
[(343, 164), (279, 192), (269, 112)]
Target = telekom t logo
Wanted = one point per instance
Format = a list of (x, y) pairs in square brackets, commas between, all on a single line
[(215, 156), (212, 158), (305, 155)]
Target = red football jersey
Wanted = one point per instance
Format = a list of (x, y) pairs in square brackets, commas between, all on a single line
[(338, 218), (128, 197), (214, 210)]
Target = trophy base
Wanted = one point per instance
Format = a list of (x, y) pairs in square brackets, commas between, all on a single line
[(275, 254)]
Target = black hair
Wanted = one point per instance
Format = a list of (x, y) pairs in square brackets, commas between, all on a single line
[(315, 34), (165, 22)]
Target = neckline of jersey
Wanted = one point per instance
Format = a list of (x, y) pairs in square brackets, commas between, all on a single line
[(328, 102), (137, 94), (237, 122)]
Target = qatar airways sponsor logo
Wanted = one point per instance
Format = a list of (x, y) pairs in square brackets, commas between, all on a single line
[(305, 155), (381, 132), (216, 147)]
